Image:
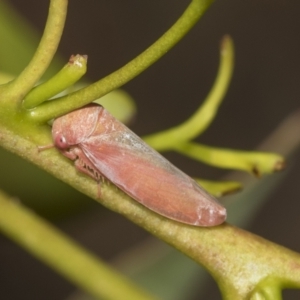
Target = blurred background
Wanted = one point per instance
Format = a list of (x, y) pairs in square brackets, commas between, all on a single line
[(264, 91)]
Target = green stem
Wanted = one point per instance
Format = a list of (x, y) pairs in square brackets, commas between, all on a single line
[(62, 254), (202, 118), (66, 77), (219, 188), (18, 88), (254, 162), (53, 109)]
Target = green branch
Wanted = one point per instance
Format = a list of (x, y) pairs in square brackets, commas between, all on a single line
[(66, 77), (257, 163), (62, 254), (205, 114), (53, 109), (20, 86)]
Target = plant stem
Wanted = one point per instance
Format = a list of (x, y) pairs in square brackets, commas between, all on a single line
[(62, 254), (66, 77), (205, 114), (53, 109), (18, 88), (257, 163)]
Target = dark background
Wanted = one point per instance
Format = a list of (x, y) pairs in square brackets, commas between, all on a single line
[(264, 90)]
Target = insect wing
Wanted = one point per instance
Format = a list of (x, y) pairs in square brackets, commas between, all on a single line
[(141, 172)]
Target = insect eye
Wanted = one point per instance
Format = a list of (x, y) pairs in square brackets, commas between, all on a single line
[(61, 142)]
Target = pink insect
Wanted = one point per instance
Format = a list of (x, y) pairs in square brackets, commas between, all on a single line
[(102, 147)]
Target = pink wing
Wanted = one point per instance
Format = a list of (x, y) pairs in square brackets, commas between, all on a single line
[(141, 172)]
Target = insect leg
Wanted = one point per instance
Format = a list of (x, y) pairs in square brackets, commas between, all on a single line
[(84, 165)]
